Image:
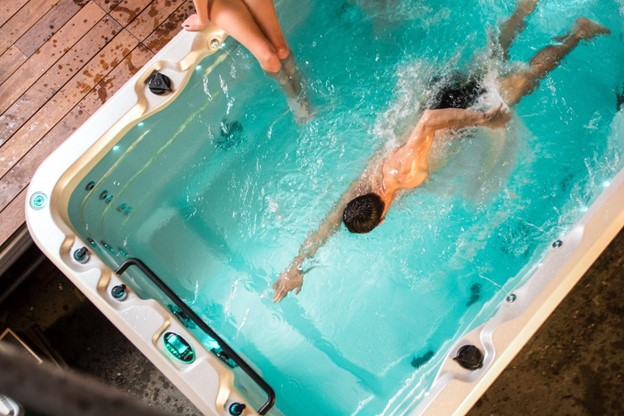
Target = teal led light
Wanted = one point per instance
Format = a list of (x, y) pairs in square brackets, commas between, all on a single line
[(178, 347), (38, 200)]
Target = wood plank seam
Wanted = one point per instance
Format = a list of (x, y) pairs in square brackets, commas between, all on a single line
[(70, 94), (27, 16), (48, 55), (59, 75), (48, 25)]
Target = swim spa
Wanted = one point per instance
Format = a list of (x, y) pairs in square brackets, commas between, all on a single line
[(214, 187)]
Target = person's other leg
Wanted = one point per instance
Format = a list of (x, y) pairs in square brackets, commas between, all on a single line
[(510, 28), (234, 17), (515, 86), (263, 11)]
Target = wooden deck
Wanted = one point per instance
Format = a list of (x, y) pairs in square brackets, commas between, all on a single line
[(59, 61)]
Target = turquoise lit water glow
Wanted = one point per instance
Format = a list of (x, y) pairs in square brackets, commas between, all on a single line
[(219, 215)]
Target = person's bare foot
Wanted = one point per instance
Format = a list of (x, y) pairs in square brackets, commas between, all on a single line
[(586, 29), (301, 108), (527, 6)]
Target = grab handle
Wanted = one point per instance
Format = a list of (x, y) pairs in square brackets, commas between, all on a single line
[(200, 323)]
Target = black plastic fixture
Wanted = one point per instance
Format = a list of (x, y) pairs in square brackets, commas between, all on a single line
[(159, 83), (469, 357)]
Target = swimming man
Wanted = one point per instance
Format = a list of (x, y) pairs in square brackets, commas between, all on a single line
[(365, 204)]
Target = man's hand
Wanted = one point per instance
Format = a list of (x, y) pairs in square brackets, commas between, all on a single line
[(193, 23), (496, 117), (291, 279)]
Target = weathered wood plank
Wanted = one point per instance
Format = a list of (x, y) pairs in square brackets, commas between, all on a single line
[(18, 178), (12, 217), (170, 27), (48, 25), (48, 54), (21, 21), (127, 10), (57, 76), (107, 5), (10, 60), (9, 8), (152, 17), (62, 102), (118, 76)]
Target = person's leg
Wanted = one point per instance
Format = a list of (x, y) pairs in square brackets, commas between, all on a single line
[(517, 85), (234, 18), (510, 28), (263, 11)]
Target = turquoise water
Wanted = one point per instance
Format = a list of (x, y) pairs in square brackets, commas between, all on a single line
[(217, 192)]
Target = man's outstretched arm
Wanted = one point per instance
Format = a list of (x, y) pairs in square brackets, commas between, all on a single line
[(292, 277)]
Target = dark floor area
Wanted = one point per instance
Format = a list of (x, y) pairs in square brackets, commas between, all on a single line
[(572, 366), (85, 340)]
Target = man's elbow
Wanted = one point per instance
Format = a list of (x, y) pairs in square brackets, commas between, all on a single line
[(429, 121), (427, 117)]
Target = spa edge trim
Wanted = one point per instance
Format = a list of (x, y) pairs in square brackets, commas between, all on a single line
[(208, 382), (501, 337), (204, 327)]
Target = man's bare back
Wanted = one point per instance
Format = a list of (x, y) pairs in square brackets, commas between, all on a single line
[(408, 166)]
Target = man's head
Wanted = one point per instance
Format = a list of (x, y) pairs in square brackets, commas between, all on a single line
[(363, 213)]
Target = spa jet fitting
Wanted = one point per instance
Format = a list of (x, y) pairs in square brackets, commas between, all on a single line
[(158, 83), (469, 357), (119, 292), (81, 255), (236, 409)]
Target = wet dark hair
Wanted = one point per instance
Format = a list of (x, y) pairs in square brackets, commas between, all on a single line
[(456, 90), (363, 213)]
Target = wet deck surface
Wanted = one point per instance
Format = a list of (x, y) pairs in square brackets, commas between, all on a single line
[(61, 59)]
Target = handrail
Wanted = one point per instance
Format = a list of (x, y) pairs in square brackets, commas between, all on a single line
[(200, 323)]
